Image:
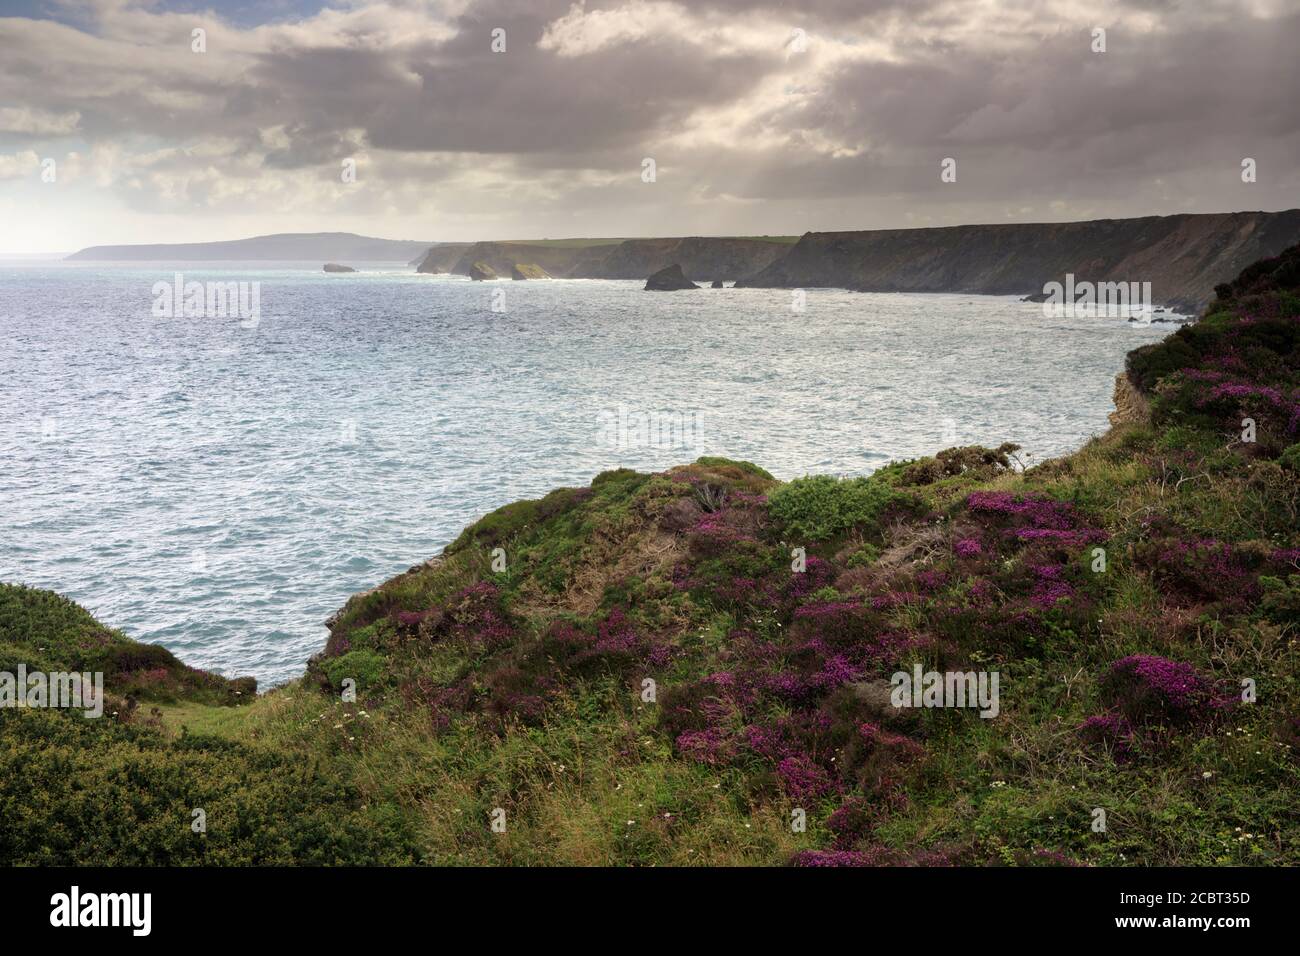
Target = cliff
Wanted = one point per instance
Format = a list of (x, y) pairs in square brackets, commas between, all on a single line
[(1183, 257), (440, 258), (557, 260), (667, 668), (702, 258)]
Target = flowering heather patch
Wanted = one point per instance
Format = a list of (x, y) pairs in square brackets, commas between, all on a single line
[(892, 599), (1035, 510), (932, 580), (615, 634), (515, 694), (817, 574), (1241, 391), (788, 686), (410, 622), (743, 592), (836, 858), (1110, 730), (836, 671), (1202, 568), (1145, 688), (835, 622), (851, 823), (715, 532), (799, 734), (1051, 586), (477, 616), (877, 761), (1231, 400), (968, 548), (728, 525), (803, 779), (710, 746), (1072, 540), (445, 703), (878, 738), (1035, 518)]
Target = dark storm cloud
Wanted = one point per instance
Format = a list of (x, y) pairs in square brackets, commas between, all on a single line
[(716, 91), (467, 98)]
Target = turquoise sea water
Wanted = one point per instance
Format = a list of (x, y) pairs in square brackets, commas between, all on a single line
[(221, 486)]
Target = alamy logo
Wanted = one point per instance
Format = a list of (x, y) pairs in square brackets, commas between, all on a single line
[(1095, 299), (652, 429), (60, 689), (208, 300), (103, 909), (946, 689)]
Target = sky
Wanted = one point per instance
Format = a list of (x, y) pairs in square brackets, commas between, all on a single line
[(118, 123)]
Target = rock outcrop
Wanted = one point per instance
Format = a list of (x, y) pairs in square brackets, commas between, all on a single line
[(717, 284), (481, 270), (669, 279), (335, 267), (1131, 406), (521, 271)]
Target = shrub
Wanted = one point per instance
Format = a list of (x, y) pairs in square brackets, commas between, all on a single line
[(818, 507), (363, 666)]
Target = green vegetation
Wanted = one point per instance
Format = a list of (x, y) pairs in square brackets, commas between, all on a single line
[(818, 507), (565, 243), (641, 672)]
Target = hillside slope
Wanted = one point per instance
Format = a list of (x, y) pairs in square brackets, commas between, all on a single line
[(1183, 257), (290, 246), (653, 676)]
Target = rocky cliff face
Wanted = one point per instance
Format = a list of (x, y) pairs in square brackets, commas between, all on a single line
[(440, 258), (703, 258), (1183, 257), (504, 256)]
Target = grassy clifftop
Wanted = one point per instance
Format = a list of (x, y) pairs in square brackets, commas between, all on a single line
[(665, 668)]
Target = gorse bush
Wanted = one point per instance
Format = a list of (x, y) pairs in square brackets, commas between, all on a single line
[(82, 792), (820, 506)]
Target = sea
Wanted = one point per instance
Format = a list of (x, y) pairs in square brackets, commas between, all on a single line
[(220, 484)]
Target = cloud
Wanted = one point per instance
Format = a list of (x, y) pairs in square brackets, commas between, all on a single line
[(37, 122), (19, 165), (755, 127)]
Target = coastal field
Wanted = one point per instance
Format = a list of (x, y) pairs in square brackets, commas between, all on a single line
[(693, 665)]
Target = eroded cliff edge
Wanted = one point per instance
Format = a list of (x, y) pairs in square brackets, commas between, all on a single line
[(1183, 257)]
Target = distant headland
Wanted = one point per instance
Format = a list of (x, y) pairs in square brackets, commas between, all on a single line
[(1183, 257)]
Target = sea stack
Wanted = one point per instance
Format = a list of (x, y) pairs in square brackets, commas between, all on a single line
[(669, 279), (335, 267)]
